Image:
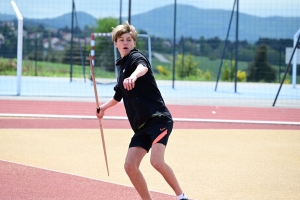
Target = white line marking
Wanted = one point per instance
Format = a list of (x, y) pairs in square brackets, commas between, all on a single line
[(175, 119)]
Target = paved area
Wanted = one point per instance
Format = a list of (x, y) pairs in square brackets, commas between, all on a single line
[(179, 92), (210, 164)]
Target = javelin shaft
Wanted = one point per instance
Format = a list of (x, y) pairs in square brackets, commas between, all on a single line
[(100, 121)]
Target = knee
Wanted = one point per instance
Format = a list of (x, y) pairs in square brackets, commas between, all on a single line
[(130, 168), (158, 165)]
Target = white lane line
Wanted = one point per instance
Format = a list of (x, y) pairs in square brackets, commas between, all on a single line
[(175, 119)]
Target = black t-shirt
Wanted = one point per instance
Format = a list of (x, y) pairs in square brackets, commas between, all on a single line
[(144, 100)]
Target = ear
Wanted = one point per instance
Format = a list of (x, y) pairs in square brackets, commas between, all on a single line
[(115, 44)]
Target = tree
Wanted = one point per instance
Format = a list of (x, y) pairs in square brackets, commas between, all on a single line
[(9, 48), (186, 66), (76, 55), (260, 69), (104, 47)]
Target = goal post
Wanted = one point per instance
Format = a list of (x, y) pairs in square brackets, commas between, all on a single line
[(94, 35), (20, 46)]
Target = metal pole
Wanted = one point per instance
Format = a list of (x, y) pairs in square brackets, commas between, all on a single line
[(228, 30), (294, 73), (71, 50), (174, 44), (80, 49), (182, 54), (129, 12), (20, 46), (287, 68), (120, 17), (237, 44), (149, 50), (115, 57), (279, 71), (35, 63)]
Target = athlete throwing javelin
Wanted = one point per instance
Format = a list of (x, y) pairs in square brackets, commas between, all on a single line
[(147, 113)]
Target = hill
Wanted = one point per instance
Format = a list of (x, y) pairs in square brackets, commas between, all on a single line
[(194, 22), (62, 21), (191, 22), (83, 20)]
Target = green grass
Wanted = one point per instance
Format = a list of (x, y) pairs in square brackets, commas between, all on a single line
[(49, 69), (205, 64)]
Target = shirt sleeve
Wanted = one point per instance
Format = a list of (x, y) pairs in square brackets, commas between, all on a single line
[(118, 94), (139, 59)]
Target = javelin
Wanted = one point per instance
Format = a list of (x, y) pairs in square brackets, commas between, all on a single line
[(98, 110)]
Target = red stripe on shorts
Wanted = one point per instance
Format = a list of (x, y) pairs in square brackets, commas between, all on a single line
[(160, 136)]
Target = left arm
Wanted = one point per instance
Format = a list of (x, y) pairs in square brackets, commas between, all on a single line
[(129, 82)]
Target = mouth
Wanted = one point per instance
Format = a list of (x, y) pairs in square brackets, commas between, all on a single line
[(125, 48)]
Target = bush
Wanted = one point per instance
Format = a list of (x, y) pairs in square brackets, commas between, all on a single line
[(228, 72), (199, 73), (287, 79), (7, 65), (162, 70), (186, 66), (207, 75), (241, 76)]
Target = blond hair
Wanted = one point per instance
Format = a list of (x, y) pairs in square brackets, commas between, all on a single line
[(121, 29)]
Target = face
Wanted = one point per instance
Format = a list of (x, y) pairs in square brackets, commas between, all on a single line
[(125, 44)]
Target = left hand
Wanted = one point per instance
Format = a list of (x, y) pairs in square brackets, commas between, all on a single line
[(100, 114), (129, 82)]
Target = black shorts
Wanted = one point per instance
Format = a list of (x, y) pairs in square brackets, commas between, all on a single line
[(155, 130)]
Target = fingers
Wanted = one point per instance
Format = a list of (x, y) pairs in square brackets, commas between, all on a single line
[(129, 83), (99, 115)]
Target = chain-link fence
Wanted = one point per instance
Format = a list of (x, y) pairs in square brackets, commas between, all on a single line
[(206, 51)]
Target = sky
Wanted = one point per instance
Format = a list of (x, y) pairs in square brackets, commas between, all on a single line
[(104, 8)]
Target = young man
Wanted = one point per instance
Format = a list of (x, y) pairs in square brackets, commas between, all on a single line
[(148, 115)]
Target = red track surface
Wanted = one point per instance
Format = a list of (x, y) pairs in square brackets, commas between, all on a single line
[(23, 182), (199, 112)]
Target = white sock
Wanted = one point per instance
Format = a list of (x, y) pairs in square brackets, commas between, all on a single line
[(181, 196)]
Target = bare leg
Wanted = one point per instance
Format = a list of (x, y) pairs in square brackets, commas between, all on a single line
[(132, 164), (158, 162)]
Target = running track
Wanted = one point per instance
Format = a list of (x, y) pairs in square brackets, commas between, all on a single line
[(26, 182), (272, 114)]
